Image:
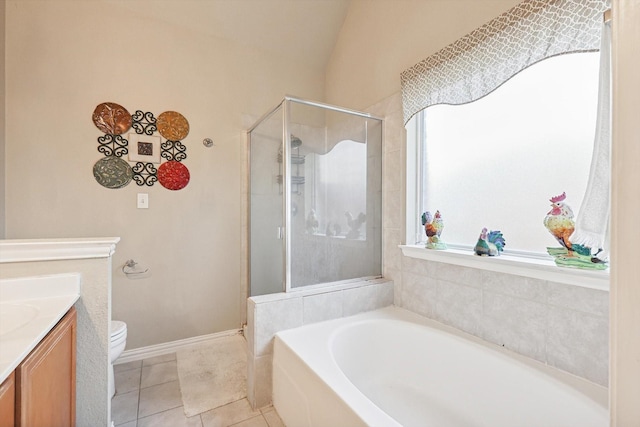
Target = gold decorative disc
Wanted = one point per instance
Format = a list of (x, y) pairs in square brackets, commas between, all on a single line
[(112, 118), (172, 125)]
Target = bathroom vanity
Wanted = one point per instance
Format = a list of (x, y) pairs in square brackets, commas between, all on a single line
[(38, 350), (41, 391), (89, 259)]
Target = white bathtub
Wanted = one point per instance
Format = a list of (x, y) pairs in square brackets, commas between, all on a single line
[(390, 367)]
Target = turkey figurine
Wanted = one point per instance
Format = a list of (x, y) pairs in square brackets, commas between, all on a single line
[(490, 243), (559, 221), (433, 226)]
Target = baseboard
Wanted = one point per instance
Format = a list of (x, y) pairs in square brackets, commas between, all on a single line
[(170, 347)]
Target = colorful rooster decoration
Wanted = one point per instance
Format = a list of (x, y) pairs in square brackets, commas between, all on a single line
[(354, 224), (490, 243), (312, 222), (559, 221), (433, 226)]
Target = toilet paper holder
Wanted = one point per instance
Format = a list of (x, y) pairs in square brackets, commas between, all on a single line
[(129, 268)]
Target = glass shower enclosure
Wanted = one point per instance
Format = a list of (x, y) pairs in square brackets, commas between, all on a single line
[(315, 196)]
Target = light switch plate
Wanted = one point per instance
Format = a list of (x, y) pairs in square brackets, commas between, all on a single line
[(143, 201)]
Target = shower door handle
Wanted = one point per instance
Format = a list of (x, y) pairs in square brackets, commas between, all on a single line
[(280, 234)]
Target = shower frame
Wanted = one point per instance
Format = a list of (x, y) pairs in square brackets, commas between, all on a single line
[(284, 231)]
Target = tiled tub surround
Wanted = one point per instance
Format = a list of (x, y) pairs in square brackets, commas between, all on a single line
[(564, 326), (269, 314), (392, 368)]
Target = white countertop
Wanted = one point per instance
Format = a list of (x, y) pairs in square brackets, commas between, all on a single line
[(29, 308)]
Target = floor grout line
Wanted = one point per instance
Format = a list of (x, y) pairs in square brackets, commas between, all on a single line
[(261, 411), (139, 388)]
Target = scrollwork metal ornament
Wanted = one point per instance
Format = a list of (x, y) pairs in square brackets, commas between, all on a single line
[(145, 174), (143, 123), (173, 150), (113, 145)]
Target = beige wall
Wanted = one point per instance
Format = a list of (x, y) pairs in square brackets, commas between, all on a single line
[(625, 269), (66, 57), (2, 162), (380, 39)]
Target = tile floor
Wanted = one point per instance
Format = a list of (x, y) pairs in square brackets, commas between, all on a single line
[(148, 395)]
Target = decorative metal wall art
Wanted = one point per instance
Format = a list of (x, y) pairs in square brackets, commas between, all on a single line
[(173, 175), (143, 148), (174, 150), (173, 125), (112, 145), (112, 172), (112, 118), (145, 174), (143, 123)]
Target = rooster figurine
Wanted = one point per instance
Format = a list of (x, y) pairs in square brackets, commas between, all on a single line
[(312, 222), (559, 221), (433, 226), (354, 224), (490, 243)]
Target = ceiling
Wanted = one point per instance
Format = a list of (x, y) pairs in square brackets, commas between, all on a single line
[(299, 30)]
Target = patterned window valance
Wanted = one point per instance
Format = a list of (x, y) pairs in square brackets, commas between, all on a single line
[(478, 63)]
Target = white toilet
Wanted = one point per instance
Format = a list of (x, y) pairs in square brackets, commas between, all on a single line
[(118, 342)]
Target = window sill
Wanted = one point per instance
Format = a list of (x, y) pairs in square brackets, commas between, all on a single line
[(537, 268)]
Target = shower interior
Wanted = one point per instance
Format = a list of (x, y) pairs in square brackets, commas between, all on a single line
[(315, 196)]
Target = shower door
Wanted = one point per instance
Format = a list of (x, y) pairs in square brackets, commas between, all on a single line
[(265, 200), (315, 197), (335, 225)]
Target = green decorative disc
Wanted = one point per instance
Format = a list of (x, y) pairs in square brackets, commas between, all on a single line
[(112, 172)]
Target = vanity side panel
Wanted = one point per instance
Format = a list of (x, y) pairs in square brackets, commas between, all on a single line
[(93, 405)]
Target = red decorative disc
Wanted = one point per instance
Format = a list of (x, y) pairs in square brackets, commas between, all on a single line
[(173, 175)]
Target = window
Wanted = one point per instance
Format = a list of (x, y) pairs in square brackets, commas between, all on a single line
[(497, 161)]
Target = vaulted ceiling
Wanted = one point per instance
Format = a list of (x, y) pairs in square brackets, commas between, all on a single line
[(297, 30)]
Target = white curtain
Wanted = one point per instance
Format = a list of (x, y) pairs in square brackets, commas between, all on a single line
[(593, 220)]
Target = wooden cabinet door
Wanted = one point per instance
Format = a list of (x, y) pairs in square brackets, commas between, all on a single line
[(8, 401), (46, 379)]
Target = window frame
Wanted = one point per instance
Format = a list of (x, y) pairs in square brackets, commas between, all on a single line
[(528, 264)]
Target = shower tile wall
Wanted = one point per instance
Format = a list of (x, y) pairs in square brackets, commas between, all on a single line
[(562, 325), (269, 314), (393, 185)]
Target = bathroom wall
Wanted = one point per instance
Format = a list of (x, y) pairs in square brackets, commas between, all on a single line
[(624, 389), (63, 58), (3, 6), (380, 39), (561, 325)]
